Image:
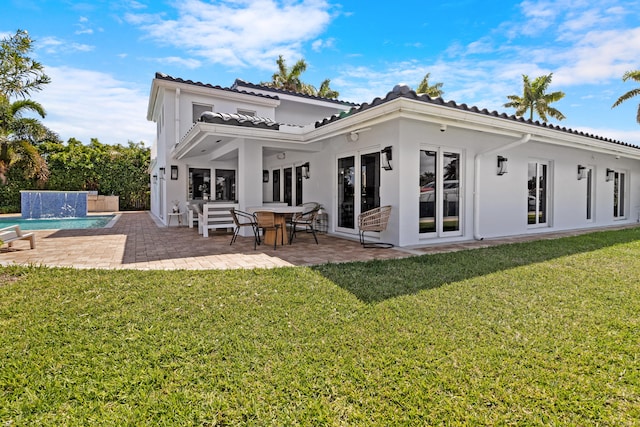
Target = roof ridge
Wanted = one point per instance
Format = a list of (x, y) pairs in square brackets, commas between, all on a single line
[(290, 92)]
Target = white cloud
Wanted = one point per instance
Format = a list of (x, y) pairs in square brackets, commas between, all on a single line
[(53, 45), (87, 104), (239, 32)]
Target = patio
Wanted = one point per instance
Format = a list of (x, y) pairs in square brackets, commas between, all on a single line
[(137, 242)]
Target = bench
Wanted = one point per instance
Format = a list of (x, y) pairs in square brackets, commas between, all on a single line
[(215, 216), (12, 233)]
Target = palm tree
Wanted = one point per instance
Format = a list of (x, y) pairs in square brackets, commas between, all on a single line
[(18, 139), (635, 76), (326, 92), (535, 99), (434, 91), (289, 79)]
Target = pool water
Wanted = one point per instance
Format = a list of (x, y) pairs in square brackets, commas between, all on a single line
[(98, 221)]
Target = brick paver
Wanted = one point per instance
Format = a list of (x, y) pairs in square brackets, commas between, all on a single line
[(137, 242)]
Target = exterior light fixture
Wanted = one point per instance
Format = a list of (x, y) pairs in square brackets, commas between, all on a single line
[(582, 172), (305, 170), (610, 174), (386, 157), (353, 136), (502, 165), (161, 172), (155, 178), (174, 172)]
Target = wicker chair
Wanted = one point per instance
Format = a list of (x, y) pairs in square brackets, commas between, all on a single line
[(375, 219)]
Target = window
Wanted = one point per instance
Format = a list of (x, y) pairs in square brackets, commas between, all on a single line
[(199, 184), (276, 185), (288, 186), (439, 199), (298, 185), (225, 185), (590, 197), (619, 195), (198, 109), (246, 112), (537, 190)]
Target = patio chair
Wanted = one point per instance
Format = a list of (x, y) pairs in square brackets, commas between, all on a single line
[(244, 219), (267, 221), (306, 219), (375, 219)]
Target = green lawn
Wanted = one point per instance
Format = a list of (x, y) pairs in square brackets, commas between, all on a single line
[(542, 333)]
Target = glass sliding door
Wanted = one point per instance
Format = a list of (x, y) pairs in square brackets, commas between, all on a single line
[(439, 202), (346, 192)]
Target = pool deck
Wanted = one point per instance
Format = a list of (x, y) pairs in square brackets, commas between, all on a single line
[(137, 241)]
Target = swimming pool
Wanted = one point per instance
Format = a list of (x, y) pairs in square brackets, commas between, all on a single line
[(97, 221)]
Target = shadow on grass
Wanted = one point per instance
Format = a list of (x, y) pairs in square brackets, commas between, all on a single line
[(375, 281)]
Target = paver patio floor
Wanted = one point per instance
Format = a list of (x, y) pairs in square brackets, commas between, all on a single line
[(136, 242)]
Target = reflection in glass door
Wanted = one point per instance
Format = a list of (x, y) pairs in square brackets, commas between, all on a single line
[(370, 181), (288, 186), (346, 193)]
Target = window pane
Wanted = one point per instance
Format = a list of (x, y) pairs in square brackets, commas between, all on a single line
[(276, 185), (225, 184), (346, 193), (288, 186), (542, 192), (451, 192), (428, 187), (370, 172)]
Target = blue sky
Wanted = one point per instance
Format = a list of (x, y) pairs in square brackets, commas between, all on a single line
[(103, 55)]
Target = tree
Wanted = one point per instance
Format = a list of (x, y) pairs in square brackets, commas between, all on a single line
[(635, 76), (18, 139), (434, 91), (289, 79), (535, 99), (19, 74)]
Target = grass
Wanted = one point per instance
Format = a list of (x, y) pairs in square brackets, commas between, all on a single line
[(541, 333)]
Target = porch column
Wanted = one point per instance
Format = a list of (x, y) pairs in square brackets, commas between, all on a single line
[(249, 178)]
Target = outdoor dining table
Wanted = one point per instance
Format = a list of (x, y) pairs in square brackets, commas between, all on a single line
[(281, 212)]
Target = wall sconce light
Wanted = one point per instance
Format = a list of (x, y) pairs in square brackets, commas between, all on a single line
[(305, 170), (502, 165), (385, 159), (353, 136), (265, 176), (174, 172), (582, 172), (610, 174), (155, 178)]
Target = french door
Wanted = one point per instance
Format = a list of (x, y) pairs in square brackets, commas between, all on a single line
[(440, 196), (358, 187)]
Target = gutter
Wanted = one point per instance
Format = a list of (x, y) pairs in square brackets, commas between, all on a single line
[(476, 181)]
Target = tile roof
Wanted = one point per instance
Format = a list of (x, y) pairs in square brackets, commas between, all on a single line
[(240, 82), (403, 91), (162, 76), (239, 120)]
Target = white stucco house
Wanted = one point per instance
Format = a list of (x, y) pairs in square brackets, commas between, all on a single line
[(450, 172)]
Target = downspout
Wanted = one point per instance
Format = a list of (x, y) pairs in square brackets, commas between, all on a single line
[(476, 180)]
